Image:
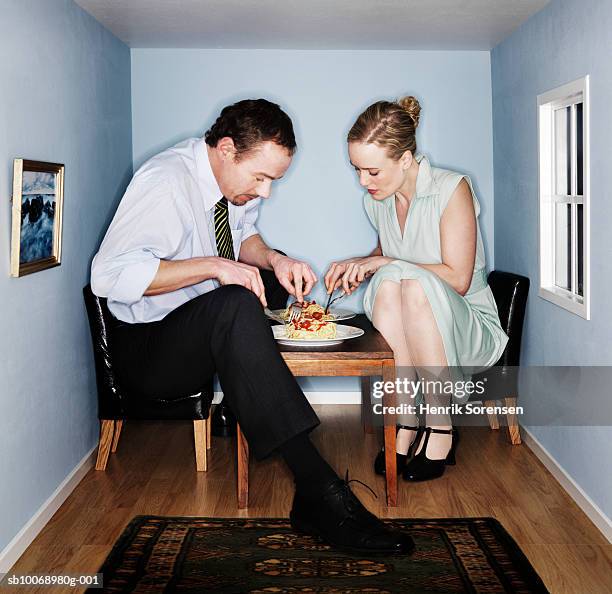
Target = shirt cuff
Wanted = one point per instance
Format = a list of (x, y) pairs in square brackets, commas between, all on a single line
[(134, 281)]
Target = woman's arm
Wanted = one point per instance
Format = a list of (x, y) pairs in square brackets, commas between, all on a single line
[(337, 270), (457, 240), (377, 251)]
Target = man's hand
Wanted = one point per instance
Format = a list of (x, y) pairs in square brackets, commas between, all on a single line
[(297, 277), (352, 272), (229, 272)]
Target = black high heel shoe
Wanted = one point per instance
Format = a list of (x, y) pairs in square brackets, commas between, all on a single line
[(421, 468), (400, 459)]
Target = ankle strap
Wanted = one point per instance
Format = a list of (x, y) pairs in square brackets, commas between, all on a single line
[(442, 431), (408, 427)]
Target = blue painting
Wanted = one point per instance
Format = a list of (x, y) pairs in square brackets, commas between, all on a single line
[(38, 200)]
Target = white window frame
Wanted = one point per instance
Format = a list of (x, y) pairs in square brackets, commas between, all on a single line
[(566, 95)]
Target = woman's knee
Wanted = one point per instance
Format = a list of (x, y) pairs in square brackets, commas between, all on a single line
[(388, 297), (387, 305), (413, 295), (386, 316)]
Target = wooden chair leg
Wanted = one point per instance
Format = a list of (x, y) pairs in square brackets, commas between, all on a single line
[(199, 435), (493, 420), (514, 433), (366, 404), (243, 469), (104, 445), (208, 422), (118, 427)]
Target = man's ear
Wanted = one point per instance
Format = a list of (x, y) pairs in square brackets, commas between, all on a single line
[(226, 148), (406, 160)]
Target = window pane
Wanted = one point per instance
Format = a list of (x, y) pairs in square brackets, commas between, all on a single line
[(562, 151), (579, 251), (563, 234), (579, 149)]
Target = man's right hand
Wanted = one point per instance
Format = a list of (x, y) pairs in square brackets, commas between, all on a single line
[(176, 274), (229, 272)]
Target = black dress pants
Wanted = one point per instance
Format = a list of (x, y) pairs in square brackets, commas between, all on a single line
[(224, 331)]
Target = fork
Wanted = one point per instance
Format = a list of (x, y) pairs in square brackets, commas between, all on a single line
[(330, 300), (295, 311)]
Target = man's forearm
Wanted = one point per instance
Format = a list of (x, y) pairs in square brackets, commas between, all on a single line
[(255, 252), (176, 274)]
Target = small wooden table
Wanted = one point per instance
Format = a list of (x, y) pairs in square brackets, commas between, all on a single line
[(365, 357)]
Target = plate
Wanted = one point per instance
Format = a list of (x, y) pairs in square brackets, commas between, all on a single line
[(341, 314), (342, 333)]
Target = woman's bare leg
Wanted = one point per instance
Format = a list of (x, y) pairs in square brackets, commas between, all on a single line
[(427, 351), (387, 319)]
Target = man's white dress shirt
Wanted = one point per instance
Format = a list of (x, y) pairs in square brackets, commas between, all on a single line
[(166, 213)]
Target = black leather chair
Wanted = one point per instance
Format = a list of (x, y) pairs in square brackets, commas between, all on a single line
[(116, 404), (510, 292)]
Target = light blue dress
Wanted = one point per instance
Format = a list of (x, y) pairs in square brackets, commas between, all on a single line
[(469, 325)]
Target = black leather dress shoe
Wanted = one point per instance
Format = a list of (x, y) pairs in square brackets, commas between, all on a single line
[(223, 422), (340, 519)]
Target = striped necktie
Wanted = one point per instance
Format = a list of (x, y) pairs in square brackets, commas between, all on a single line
[(223, 235)]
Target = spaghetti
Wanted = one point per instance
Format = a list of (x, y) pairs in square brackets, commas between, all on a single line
[(313, 323), (310, 309)]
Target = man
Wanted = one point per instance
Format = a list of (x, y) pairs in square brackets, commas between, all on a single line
[(180, 268)]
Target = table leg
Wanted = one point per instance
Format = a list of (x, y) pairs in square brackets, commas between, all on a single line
[(390, 435), (243, 468)]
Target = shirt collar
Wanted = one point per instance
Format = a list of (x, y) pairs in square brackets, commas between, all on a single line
[(211, 192), (424, 176), (425, 184)]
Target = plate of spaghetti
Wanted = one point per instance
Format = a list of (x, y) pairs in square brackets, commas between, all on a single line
[(312, 309), (305, 333)]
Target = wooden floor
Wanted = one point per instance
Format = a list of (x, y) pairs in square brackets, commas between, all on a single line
[(153, 472)]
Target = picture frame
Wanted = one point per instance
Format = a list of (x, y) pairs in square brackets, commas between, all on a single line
[(38, 196)]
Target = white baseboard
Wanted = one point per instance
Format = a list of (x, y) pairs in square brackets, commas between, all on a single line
[(582, 500), (333, 397), (319, 397), (23, 539)]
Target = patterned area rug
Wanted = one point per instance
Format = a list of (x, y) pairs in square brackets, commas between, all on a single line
[(188, 555)]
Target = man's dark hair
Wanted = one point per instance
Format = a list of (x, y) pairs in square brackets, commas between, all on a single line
[(249, 123)]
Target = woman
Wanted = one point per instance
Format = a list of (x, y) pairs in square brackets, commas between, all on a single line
[(428, 295)]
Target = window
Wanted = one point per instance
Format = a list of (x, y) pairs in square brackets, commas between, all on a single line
[(563, 128)]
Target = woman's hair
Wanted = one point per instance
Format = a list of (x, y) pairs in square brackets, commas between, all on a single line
[(391, 125), (249, 123)]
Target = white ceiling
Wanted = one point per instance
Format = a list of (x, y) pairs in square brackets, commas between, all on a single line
[(314, 24)]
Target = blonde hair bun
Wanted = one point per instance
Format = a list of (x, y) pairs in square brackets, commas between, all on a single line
[(412, 106), (390, 124)]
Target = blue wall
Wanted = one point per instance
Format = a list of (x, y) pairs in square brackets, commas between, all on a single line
[(563, 42), (178, 93), (65, 98)]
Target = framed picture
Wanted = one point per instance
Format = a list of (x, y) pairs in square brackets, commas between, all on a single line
[(38, 192)]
